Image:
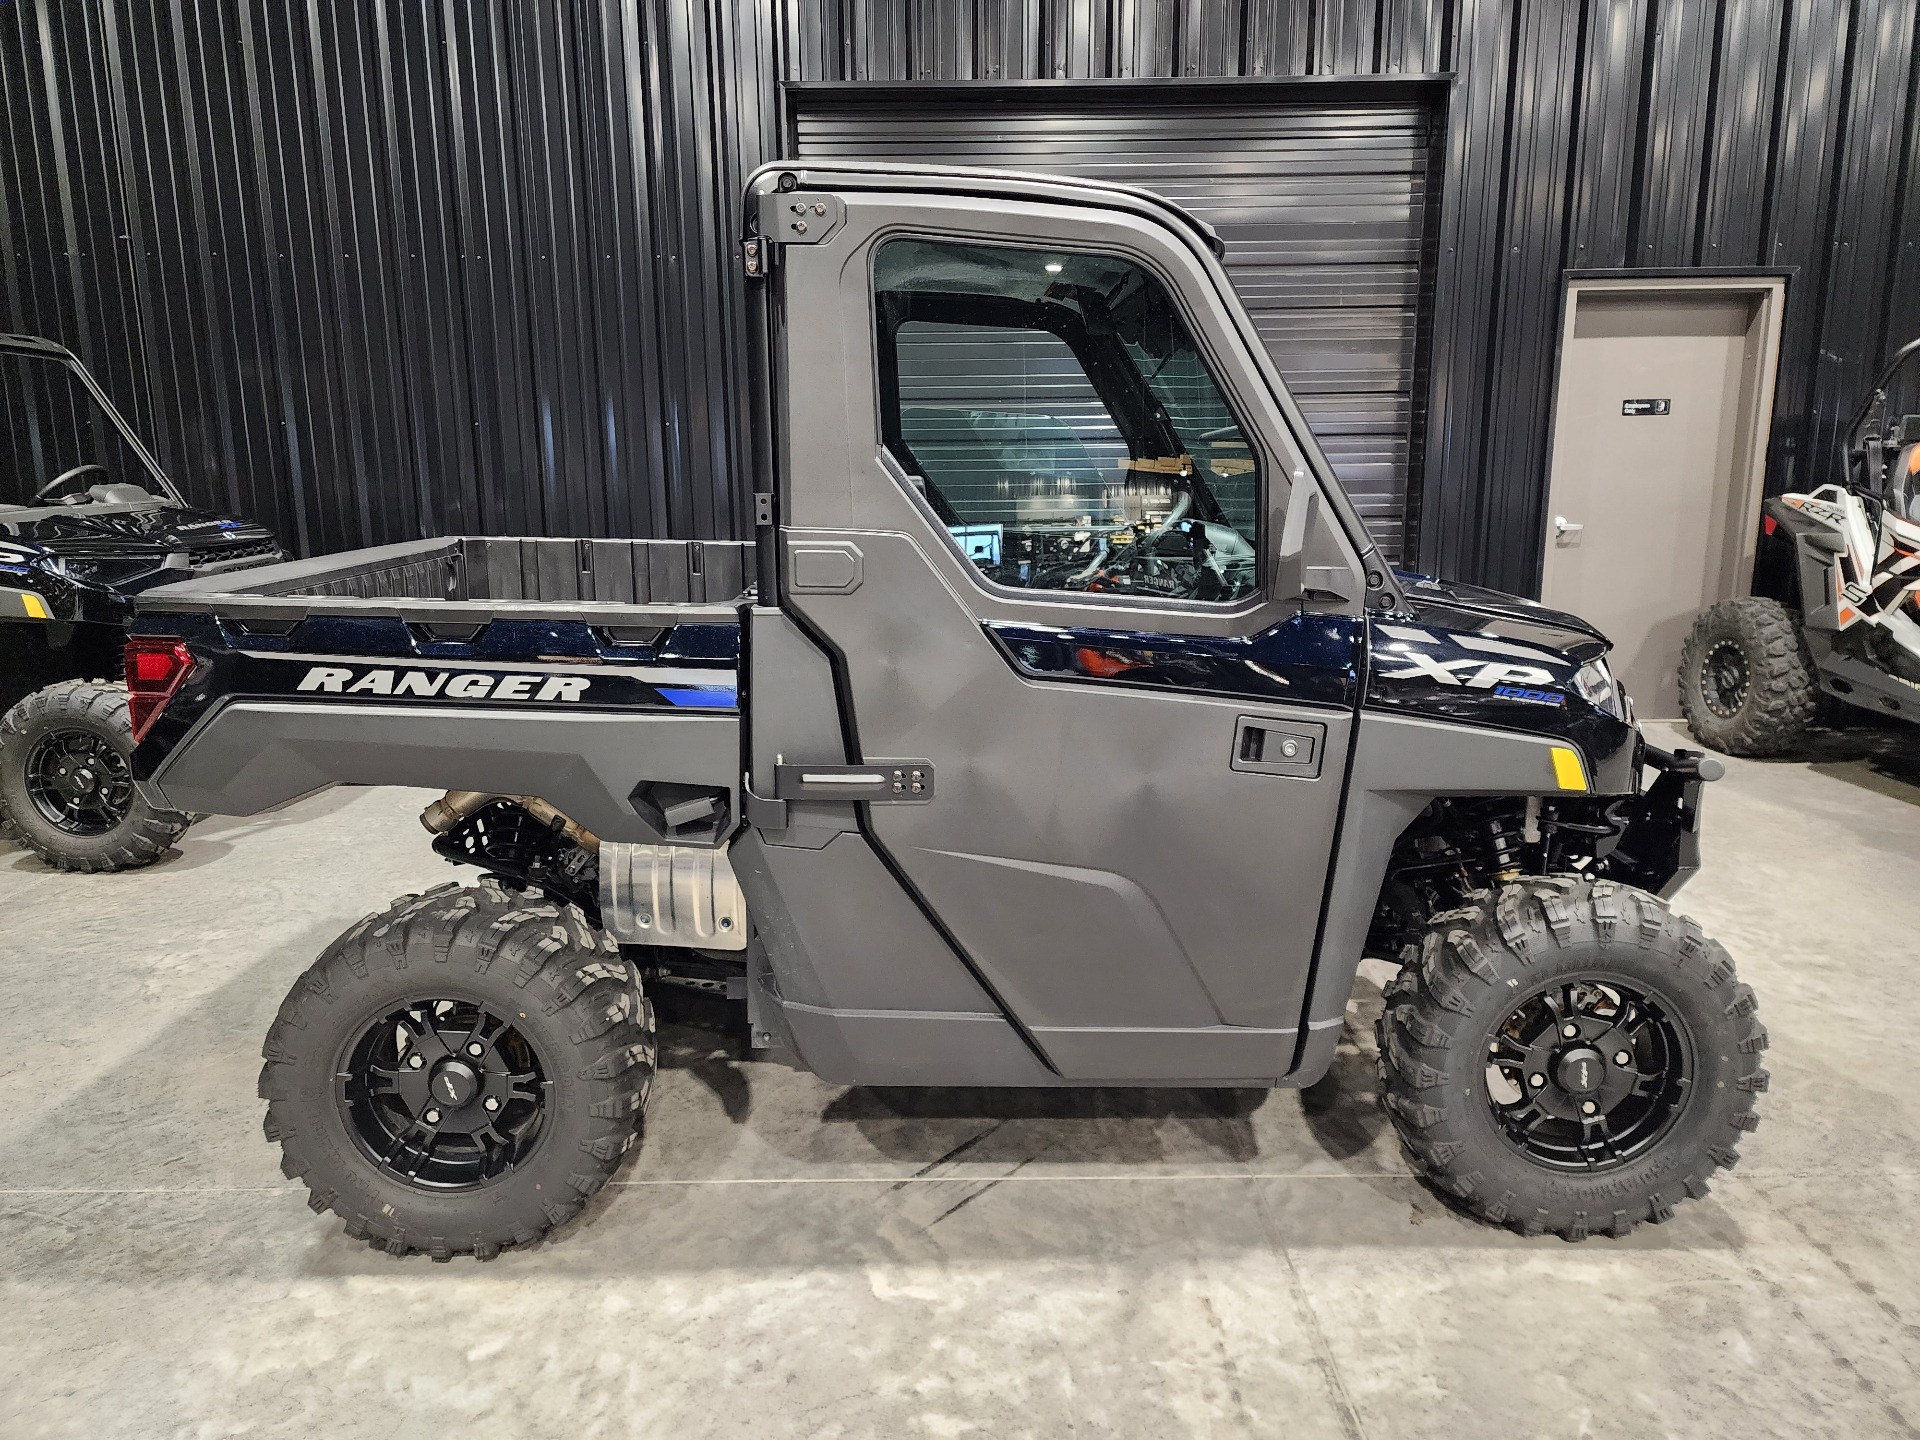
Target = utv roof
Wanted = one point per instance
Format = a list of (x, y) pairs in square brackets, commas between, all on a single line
[(971, 180)]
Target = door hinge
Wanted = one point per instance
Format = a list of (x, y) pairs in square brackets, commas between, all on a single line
[(753, 258), (763, 507), (799, 217)]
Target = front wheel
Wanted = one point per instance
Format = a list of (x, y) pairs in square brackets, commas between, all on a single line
[(1747, 684), (459, 1073), (66, 781), (1570, 1056)]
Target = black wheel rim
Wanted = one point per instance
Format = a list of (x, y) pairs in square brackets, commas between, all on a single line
[(1588, 1074), (79, 782), (443, 1094), (1724, 678)]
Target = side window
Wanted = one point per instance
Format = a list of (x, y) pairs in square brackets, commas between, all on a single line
[(1055, 412)]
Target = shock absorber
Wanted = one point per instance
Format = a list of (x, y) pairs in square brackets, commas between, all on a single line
[(1506, 840)]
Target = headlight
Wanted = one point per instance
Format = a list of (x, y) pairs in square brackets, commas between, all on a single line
[(1599, 689)]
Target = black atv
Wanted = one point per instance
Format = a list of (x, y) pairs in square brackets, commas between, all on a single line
[(87, 519)]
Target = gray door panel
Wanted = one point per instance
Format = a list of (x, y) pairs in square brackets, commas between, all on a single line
[(1091, 847), (1049, 930), (865, 945)]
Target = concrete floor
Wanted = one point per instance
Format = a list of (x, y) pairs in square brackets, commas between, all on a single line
[(788, 1258)]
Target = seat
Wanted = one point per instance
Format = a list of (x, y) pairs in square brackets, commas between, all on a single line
[(1903, 484)]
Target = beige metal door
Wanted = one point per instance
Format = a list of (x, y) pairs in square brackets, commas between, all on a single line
[(1665, 395)]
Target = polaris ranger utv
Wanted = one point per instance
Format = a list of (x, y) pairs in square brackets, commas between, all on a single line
[(87, 519), (1062, 727)]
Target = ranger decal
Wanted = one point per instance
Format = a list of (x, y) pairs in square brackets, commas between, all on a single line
[(452, 684)]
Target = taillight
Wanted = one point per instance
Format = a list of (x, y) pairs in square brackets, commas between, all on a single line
[(156, 667)]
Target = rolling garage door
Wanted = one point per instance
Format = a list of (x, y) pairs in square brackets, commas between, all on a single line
[(1322, 204)]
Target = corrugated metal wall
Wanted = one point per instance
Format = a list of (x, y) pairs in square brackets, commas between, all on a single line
[(1319, 192), (1581, 133), (393, 267), (375, 270)]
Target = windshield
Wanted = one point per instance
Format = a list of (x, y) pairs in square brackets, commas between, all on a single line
[(51, 427)]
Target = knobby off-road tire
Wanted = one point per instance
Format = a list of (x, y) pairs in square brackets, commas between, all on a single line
[(86, 720), (575, 1017), (1482, 964), (1761, 639)]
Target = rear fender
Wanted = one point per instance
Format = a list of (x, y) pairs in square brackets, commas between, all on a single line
[(600, 731), (253, 755), (1825, 527)]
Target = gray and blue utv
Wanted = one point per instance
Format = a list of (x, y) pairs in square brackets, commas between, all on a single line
[(1061, 726)]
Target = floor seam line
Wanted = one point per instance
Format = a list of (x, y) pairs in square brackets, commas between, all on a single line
[(959, 1173)]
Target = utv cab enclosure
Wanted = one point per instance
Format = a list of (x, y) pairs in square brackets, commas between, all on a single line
[(1062, 726)]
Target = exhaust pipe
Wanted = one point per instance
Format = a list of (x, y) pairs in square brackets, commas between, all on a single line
[(454, 806)]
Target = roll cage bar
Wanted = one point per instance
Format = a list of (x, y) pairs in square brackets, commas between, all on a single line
[(1867, 428)]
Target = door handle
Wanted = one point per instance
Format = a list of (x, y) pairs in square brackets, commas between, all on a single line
[(1563, 527), (1278, 747), (899, 782)]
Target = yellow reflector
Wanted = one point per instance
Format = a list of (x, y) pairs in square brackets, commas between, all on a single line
[(35, 607), (1568, 772)]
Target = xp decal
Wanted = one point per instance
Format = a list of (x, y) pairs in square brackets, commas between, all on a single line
[(1420, 649), (1476, 658)]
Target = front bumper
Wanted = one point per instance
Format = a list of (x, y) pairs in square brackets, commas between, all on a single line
[(1659, 847)]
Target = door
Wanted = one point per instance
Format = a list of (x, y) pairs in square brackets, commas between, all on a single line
[(1665, 396), (1034, 483)]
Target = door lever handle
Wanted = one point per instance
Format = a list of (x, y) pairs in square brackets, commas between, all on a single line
[(900, 782), (1564, 526)]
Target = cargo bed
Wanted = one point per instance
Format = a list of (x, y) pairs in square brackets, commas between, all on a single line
[(474, 579), (582, 670)]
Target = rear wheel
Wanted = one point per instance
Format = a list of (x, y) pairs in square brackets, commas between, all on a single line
[(66, 781), (1570, 1056), (459, 1073), (1747, 685)]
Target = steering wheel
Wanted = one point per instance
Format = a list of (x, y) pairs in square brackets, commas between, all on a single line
[(66, 478)]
